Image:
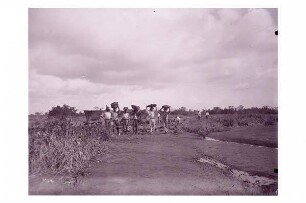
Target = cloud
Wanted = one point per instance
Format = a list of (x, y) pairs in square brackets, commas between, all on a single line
[(166, 55)]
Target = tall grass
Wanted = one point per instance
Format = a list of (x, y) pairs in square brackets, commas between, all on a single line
[(219, 123), (59, 147)]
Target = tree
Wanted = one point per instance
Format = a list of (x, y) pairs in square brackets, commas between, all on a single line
[(63, 111), (230, 107), (183, 108), (216, 110), (240, 108), (230, 110)]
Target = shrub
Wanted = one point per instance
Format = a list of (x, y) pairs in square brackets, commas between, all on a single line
[(228, 122), (218, 123), (203, 127), (270, 121), (243, 122), (57, 147)]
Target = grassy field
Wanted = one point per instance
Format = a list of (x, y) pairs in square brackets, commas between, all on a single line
[(258, 135), (67, 146), (70, 148), (60, 147), (221, 123), (167, 164), (250, 158)]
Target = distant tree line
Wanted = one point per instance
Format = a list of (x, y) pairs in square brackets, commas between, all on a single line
[(66, 111), (63, 111), (228, 110)]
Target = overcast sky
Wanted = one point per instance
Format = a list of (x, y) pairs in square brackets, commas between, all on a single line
[(197, 58)]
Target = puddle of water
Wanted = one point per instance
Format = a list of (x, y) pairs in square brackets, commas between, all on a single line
[(212, 139), (244, 176), (215, 140)]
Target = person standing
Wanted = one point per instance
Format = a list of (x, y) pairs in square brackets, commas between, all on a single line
[(107, 119), (177, 122), (125, 119), (158, 117), (207, 114), (199, 115), (115, 116), (165, 111), (152, 117), (134, 116)]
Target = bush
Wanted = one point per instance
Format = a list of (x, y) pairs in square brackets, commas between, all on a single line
[(228, 122), (242, 122), (203, 127), (59, 148), (218, 123), (62, 111), (269, 121)]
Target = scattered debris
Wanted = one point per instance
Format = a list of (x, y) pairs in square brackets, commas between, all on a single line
[(242, 175)]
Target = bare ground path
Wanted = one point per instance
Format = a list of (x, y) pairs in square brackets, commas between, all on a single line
[(158, 164)]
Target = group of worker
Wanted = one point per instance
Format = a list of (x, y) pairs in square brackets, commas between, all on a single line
[(200, 115), (134, 116)]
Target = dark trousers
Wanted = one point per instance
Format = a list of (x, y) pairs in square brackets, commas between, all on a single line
[(116, 125), (135, 125), (108, 127), (125, 123)]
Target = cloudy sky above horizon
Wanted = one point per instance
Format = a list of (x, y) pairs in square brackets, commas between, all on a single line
[(197, 58)]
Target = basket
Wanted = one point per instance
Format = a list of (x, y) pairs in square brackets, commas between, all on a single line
[(165, 106), (136, 108), (152, 105), (114, 105)]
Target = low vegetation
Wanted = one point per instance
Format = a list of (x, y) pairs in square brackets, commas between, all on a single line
[(219, 123), (59, 147), (60, 142)]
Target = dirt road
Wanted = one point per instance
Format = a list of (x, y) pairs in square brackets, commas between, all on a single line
[(158, 164)]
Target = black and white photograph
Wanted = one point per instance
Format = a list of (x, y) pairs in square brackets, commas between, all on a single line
[(153, 101)]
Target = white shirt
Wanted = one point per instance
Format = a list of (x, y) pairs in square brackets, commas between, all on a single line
[(115, 115), (151, 114), (125, 116), (107, 115)]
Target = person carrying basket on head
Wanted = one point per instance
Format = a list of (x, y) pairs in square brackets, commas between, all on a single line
[(134, 117), (115, 117), (125, 119), (165, 111), (151, 112), (107, 118)]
